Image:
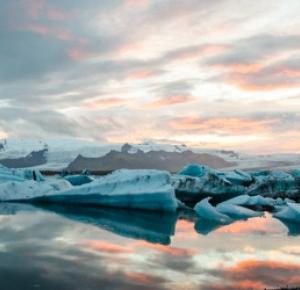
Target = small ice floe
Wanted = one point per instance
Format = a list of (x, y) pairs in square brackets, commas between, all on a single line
[(256, 202), (79, 179), (237, 212), (290, 213), (223, 213), (208, 212)]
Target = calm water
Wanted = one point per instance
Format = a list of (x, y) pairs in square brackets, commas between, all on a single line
[(75, 248)]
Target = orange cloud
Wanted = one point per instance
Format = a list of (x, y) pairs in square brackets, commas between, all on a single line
[(241, 68), (106, 247), (141, 74), (185, 229), (257, 225), (221, 125), (141, 278), (104, 103), (254, 274), (173, 251), (172, 100)]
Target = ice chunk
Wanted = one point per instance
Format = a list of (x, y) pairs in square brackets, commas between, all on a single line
[(205, 210), (78, 179), (203, 181), (140, 189), (8, 174), (291, 213), (246, 200), (29, 189), (237, 177), (195, 170), (236, 211), (273, 184)]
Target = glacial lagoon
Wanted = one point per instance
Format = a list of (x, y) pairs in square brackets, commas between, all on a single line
[(89, 248)]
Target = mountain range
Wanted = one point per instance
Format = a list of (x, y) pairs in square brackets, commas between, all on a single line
[(75, 155)]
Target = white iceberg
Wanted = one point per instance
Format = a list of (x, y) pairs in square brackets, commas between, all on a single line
[(205, 210), (139, 189), (8, 174), (28, 190)]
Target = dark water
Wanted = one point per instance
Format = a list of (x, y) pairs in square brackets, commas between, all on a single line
[(72, 248)]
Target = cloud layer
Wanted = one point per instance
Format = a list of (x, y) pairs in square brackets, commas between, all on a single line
[(210, 73)]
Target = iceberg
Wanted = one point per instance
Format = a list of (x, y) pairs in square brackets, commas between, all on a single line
[(196, 181), (237, 177), (273, 184), (138, 189), (257, 201), (8, 174), (78, 179), (205, 210), (290, 213), (29, 190), (237, 212)]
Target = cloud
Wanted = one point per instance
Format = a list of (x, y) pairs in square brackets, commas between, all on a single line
[(171, 100), (260, 63)]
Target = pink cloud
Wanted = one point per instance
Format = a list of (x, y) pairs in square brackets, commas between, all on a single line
[(173, 251), (103, 246), (104, 103), (172, 100)]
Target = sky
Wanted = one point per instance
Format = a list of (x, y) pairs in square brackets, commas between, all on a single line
[(213, 74)]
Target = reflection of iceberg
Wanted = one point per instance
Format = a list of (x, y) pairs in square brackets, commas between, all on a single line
[(204, 227), (10, 208), (293, 228), (145, 225)]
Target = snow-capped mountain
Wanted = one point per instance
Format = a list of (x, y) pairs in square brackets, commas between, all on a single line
[(57, 154)]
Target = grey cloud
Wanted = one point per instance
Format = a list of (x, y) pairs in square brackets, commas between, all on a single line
[(254, 49)]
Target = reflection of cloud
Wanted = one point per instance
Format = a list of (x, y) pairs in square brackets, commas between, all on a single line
[(173, 251), (103, 246), (143, 278), (253, 274), (253, 225)]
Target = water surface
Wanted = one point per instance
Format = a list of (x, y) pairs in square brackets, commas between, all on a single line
[(70, 248)]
